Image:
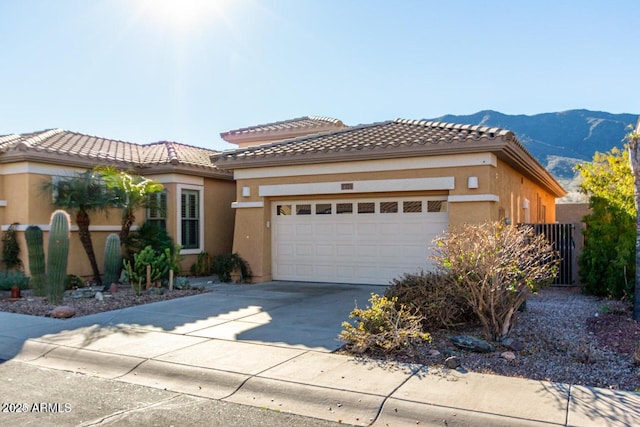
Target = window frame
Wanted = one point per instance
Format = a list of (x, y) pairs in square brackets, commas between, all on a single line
[(160, 209), (200, 200)]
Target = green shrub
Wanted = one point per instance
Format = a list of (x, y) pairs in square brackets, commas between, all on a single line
[(11, 249), (73, 282), (136, 272), (224, 265), (495, 267), (434, 297), (384, 327), (12, 278), (203, 265), (148, 235)]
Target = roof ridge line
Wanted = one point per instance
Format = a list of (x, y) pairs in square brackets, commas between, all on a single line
[(497, 131), (281, 122), (307, 137)]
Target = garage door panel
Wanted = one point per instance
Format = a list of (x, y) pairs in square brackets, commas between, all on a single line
[(366, 251), (343, 250), (325, 230), (304, 270), (285, 269), (285, 229), (367, 230), (389, 229), (346, 230), (346, 272), (353, 247), (325, 250), (284, 250), (304, 249), (304, 230)]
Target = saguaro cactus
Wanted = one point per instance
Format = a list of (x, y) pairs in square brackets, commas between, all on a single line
[(112, 259), (35, 248), (57, 256)]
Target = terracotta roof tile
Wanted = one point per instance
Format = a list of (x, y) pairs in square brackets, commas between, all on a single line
[(393, 135), (391, 139), (96, 149), (306, 122)]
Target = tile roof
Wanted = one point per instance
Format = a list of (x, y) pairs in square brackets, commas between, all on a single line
[(306, 122), (392, 135), (76, 147), (391, 139)]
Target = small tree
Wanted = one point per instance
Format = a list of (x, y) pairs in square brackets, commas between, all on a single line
[(495, 267), (633, 141), (607, 262)]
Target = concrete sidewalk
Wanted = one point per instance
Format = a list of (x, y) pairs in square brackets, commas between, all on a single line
[(269, 346)]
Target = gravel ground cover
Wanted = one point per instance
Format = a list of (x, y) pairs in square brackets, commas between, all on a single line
[(564, 336), (124, 297)]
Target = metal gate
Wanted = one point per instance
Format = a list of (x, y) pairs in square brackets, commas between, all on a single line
[(562, 238)]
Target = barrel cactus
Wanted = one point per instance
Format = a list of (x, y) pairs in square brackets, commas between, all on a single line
[(35, 249), (57, 256), (112, 259)]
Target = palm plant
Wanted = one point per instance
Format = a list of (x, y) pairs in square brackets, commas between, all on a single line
[(81, 194), (130, 192)]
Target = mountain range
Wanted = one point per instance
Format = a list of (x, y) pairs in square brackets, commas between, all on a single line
[(558, 140)]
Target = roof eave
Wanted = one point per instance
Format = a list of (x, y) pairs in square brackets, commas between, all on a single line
[(509, 150)]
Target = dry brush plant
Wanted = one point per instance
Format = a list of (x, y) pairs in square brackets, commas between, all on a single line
[(495, 267), (385, 327), (434, 298)]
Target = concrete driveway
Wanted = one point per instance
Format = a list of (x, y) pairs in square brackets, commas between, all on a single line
[(298, 314)]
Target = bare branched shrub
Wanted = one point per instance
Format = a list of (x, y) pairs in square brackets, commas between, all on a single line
[(385, 327), (495, 267), (434, 297)]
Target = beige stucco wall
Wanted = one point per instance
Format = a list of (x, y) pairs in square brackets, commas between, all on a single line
[(252, 237), (27, 204)]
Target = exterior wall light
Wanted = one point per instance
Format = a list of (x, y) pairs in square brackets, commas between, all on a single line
[(472, 182)]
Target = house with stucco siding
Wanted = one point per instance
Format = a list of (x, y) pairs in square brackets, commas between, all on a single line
[(196, 199), (362, 204)]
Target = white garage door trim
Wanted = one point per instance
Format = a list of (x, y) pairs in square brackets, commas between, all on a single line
[(359, 240)]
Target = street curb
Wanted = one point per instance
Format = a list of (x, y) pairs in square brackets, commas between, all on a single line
[(197, 381), (308, 400)]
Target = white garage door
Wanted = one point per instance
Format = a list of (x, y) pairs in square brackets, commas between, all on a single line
[(354, 241)]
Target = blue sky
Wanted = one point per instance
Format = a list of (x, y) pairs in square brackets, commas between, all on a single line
[(186, 70)]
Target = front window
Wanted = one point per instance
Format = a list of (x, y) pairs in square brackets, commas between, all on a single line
[(190, 219), (157, 209)]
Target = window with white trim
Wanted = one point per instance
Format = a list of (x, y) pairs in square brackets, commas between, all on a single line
[(157, 209), (190, 219)]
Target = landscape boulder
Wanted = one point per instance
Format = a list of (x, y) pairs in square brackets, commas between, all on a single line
[(63, 312), (472, 344)]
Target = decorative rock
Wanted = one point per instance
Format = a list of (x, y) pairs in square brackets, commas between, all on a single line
[(513, 344), (113, 288), (63, 312), (83, 293), (452, 362), (155, 291), (434, 353), (472, 344), (508, 356), (99, 296)]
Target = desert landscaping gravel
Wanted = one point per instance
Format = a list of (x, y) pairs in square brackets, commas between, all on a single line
[(566, 337)]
